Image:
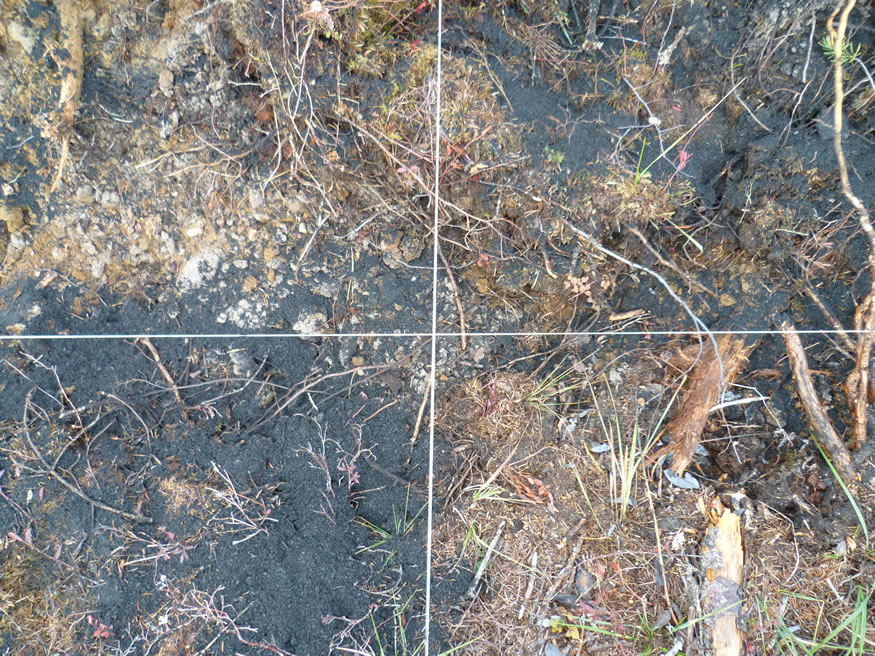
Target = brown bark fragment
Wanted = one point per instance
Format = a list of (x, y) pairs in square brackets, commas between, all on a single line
[(703, 390)]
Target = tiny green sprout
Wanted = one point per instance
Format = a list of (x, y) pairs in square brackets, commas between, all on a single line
[(849, 51), (554, 156)]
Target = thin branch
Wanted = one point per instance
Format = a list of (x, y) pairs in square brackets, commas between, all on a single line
[(830, 317), (313, 382), (456, 297), (419, 415), (668, 263), (165, 374)]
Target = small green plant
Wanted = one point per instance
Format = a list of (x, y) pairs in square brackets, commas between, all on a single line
[(639, 173), (849, 51), (554, 157), (487, 493), (401, 641), (564, 21)]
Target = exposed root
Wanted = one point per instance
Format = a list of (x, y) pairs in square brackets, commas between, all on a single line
[(857, 385), (61, 125)]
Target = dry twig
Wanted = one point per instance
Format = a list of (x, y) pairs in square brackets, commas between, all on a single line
[(667, 263), (165, 374), (840, 331), (313, 381), (425, 397)]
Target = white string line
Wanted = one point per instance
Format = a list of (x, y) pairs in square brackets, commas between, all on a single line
[(434, 319), (420, 335)]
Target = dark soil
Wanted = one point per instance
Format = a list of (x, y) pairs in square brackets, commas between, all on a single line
[(243, 178)]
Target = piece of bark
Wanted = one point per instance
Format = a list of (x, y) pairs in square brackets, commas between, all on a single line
[(820, 423), (722, 572), (703, 389)]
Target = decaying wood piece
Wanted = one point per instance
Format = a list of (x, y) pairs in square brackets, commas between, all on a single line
[(60, 125), (703, 390), (722, 571), (820, 423)]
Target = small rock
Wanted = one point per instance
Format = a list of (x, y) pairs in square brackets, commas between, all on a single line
[(310, 323), (13, 217), (256, 198), (110, 198), (327, 288), (165, 82), (23, 36), (169, 124), (244, 314), (194, 228), (242, 363), (98, 265), (84, 193)]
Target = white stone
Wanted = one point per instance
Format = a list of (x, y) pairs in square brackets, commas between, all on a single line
[(199, 269), (310, 323)]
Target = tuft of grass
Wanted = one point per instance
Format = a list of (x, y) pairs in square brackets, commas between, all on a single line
[(485, 492), (626, 456), (399, 643), (546, 395), (385, 540), (627, 451), (845, 489), (775, 636)]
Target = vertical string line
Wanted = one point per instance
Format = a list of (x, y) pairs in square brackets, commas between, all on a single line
[(434, 308)]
